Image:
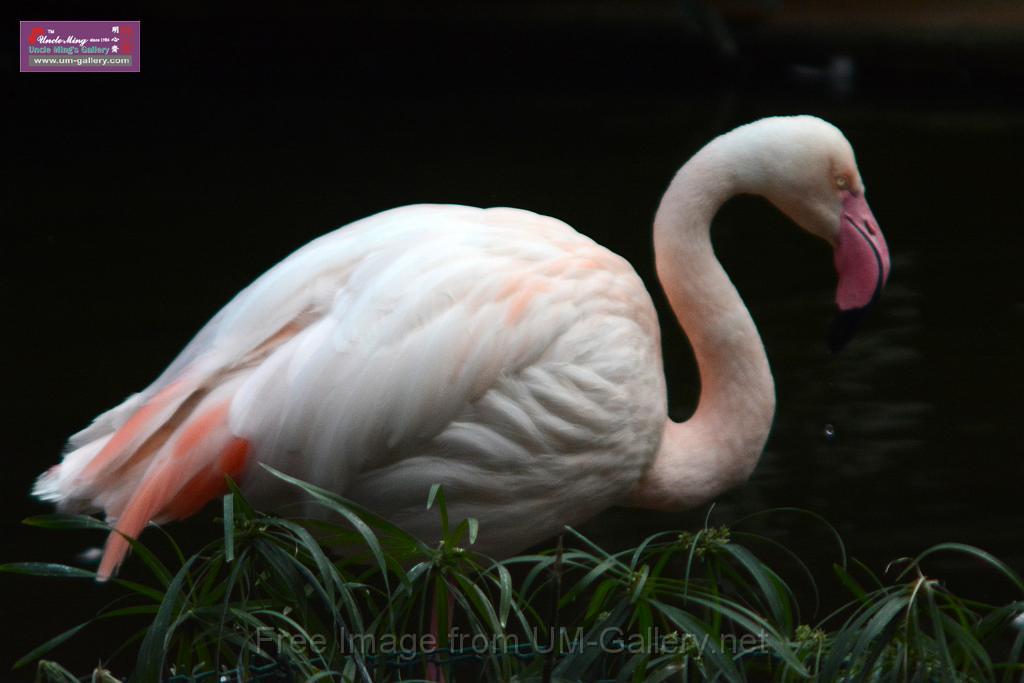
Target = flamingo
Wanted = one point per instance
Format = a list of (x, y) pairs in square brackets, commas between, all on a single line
[(495, 351)]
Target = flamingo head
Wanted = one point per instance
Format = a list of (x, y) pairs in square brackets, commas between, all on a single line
[(806, 167)]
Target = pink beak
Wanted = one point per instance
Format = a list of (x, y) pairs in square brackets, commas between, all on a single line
[(862, 263)]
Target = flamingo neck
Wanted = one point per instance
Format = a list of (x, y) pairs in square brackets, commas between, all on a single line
[(718, 447)]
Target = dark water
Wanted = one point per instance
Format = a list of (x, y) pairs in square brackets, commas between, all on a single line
[(134, 224)]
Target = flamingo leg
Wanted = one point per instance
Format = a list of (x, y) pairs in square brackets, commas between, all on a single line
[(435, 670)]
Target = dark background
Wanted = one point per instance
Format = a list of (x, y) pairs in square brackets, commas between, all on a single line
[(142, 202)]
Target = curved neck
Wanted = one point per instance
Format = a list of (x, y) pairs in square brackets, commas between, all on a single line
[(719, 445)]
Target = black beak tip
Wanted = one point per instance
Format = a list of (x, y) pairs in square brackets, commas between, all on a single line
[(844, 326)]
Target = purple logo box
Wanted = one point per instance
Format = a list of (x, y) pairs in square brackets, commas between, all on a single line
[(79, 46)]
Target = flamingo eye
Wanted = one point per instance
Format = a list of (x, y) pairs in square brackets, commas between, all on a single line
[(842, 182)]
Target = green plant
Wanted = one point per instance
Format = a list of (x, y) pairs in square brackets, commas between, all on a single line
[(358, 599)]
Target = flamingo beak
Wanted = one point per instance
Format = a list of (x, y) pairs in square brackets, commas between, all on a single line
[(862, 264)]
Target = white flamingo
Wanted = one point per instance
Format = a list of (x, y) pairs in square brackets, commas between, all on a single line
[(497, 352)]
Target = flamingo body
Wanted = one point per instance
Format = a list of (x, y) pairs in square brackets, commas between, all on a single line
[(497, 352)]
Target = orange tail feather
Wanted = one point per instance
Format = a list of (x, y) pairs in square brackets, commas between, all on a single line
[(185, 475)]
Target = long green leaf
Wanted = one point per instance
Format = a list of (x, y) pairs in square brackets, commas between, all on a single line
[(63, 521), (766, 582), (974, 552), (62, 571), (342, 507), (150, 662), (707, 643), (49, 645)]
